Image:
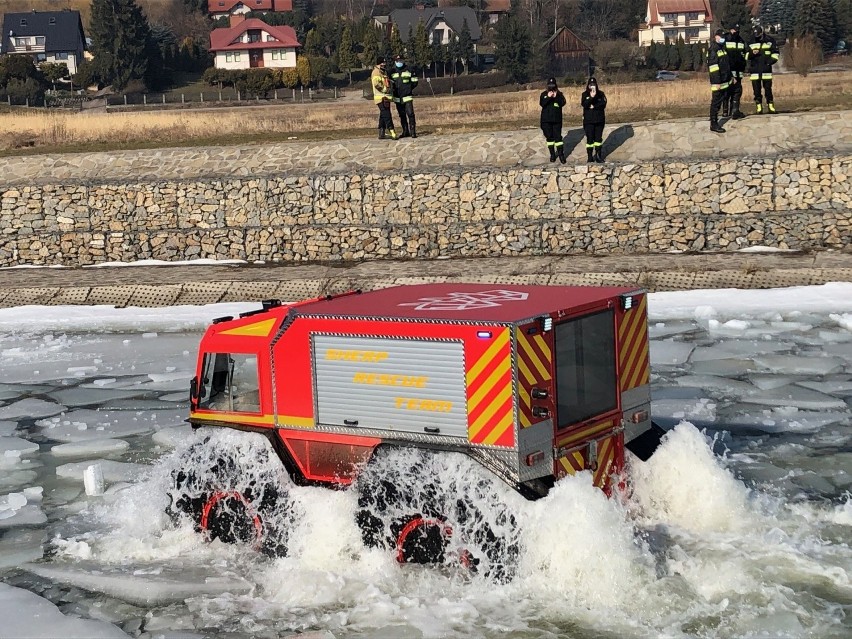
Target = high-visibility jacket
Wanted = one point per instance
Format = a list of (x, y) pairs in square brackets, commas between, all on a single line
[(719, 68), (403, 81), (735, 47), (381, 85), (761, 55)]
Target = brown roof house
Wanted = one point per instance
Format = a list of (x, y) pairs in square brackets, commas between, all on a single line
[(673, 19), (219, 8), (566, 53), (250, 44)]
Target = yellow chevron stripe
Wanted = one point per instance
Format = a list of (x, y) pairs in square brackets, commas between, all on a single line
[(605, 455), (488, 385), (497, 403), (525, 372), (585, 433), (258, 329), (500, 341), (499, 429), (532, 355)]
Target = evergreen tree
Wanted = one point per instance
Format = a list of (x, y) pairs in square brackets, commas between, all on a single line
[(513, 47), (313, 43), (736, 12), (370, 47), (396, 46), (465, 45), (672, 57), (816, 18), (651, 55), (422, 50), (438, 56), (684, 55), (346, 58), (843, 12), (121, 42)]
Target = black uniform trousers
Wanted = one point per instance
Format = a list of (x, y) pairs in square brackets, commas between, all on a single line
[(719, 96), (735, 91), (385, 118), (766, 84), (594, 134), (405, 110), (552, 133)]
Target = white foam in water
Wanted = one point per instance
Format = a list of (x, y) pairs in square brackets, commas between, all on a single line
[(700, 410), (843, 319)]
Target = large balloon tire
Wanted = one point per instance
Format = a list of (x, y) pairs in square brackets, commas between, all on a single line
[(219, 510), (422, 532)]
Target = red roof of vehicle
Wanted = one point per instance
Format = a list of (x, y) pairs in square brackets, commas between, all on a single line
[(464, 302), (224, 39), (659, 7), (225, 6)]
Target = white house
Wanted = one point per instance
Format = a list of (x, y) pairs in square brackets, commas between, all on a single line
[(441, 23), (673, 19), (250, 44), (45, 36), (219, 8)]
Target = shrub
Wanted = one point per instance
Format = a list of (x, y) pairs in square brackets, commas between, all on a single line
[(803, 54)]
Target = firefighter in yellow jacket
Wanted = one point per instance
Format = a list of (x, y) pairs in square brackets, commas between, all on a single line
[(383, 97)]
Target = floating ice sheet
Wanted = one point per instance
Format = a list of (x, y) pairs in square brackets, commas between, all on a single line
[(768, 381), (16, 447), (659, 330), (73, 397), (840, 388), (113, 471), (779, 420), (86, 424), (28, 515), (716, 384), (91, 448), (669, 352), (173, 437), (794, 364), (700, 411), (32, 408), (20, 546), (795, 397), (7, 428), (170, 585), (723, 367), (742, 349), (25, 614)]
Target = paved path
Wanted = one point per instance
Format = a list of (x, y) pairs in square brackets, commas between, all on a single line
[(207, 284)]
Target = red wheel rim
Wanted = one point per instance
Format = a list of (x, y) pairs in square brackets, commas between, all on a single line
[(411, 526), (218, 496)]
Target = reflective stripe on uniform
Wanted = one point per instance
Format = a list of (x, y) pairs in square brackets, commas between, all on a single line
[(713, 67), (408, 98), (761, 76), (558, 143)]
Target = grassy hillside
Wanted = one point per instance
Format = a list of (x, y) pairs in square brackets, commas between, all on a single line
[(17, 6)]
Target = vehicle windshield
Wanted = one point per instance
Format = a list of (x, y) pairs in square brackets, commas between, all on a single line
[(585, 368), (229, 382)]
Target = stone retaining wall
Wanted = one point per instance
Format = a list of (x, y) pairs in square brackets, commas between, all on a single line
[(799, 203)]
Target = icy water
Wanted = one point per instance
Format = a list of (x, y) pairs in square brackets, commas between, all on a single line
[(740, 525)]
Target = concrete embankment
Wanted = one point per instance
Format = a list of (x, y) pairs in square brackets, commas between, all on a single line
[(207, 284)]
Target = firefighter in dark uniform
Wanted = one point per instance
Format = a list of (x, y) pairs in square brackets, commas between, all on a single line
[(551, 101), (720, 77), (593, 101), (735, 47), (761, 55), (404, 81)]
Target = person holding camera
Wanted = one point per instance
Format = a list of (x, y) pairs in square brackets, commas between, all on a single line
[(551, 102), (593, 102)]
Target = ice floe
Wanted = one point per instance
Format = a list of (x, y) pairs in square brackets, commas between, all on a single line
[(795, 397), (90, 448), (669, 352), (87, 424), (30, 408), (113, 471), (794, 364)]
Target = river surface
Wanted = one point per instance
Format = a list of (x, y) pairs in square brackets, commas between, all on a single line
[(739, 526)]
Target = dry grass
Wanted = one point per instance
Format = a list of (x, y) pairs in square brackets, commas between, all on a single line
[(58, 131)]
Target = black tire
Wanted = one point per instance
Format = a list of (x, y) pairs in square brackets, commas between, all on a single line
[(230, 499), (417, 505)]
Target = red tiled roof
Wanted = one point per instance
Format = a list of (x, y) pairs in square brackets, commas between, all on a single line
[(225, 6), (659, 7), (223, 39), (497, 6)]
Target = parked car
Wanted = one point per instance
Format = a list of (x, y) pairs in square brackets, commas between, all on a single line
[(666, 75)]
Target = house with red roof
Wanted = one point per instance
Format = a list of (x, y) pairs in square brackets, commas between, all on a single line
[(219, 8), (673, 19), (253, 44)]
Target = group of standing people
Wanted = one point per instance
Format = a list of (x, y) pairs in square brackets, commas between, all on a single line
[(726, 62), (593, 102), (397, 87)]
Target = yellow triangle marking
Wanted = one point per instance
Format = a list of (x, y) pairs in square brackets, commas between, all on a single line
[(258, 329)]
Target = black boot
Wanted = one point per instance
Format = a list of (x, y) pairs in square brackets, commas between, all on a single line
[(726, 108), (715, 128), (591, 152), (381, 133), (736, 114), (598, 154), (552, 152), (413, 131), (561, 152)]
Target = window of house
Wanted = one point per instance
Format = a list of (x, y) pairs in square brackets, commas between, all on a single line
[(23, 22), (62, 56), (21, 42), (40, 41), (692, 32), (438, 36), (693, 15), (229, 57), (237, 56), (669, 17), (41, 57), (275, 54), (51, 21), (670, 34)]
